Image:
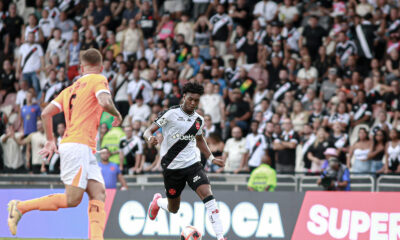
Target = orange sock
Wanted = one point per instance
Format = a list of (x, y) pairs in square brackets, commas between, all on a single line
[(97, 219), (47, 203)]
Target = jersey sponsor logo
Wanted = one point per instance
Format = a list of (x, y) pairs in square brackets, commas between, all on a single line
[(184, 137), (180, 119)]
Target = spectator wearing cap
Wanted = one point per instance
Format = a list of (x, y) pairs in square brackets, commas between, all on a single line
[(238, 111), (265, 11), (285, 146), (313, 34), (221, 30), (329, 153), (316, 152), (336, 177)]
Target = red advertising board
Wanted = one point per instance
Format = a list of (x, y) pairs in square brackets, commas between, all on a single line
[(349, 215)]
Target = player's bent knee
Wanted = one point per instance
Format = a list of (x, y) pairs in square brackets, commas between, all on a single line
[(74, 201)]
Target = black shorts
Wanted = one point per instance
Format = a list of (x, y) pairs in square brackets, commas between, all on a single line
[(175, 179)]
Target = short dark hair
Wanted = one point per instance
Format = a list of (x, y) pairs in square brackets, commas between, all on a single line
[(92, 56), (193, 88)]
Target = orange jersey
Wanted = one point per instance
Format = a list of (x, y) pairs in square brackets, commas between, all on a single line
[(81, 109)]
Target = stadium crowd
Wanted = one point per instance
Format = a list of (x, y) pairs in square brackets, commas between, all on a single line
[(297, 82)]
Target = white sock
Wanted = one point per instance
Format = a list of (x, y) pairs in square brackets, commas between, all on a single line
[(213, 216), (163, 203)]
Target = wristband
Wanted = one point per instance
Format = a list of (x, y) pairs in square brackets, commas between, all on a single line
[(210, 158)]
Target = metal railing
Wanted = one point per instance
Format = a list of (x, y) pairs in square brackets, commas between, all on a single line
[(388, 183), (234, 182)]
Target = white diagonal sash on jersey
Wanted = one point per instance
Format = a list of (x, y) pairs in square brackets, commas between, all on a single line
[(281, 90), (363, 41), (307, 144), (128, 148), (31, 52), (341, 141), (240, 43), (175, 149), (254, 149), (360, 111), (219, 24)]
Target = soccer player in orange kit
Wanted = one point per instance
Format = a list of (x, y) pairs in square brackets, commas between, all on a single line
[(82, 103)]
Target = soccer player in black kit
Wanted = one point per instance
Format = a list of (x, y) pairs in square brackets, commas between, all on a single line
[(182, 133)]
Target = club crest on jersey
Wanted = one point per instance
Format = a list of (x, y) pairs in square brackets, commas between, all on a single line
[(197, 125)]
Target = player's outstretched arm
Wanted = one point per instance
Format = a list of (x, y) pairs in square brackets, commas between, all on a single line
[(107, 103), (202, 145), (148, 134)]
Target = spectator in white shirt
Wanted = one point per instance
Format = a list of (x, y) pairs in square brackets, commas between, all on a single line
[(139, 111), (12, 157), (234, 151), (265, 11), (54, 13), (213, 104), (31, 62), (139, 86), (46, 24), (308, 72), (57, 46), (66, 25)]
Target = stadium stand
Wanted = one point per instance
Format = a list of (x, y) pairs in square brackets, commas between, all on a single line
[(296, 77)]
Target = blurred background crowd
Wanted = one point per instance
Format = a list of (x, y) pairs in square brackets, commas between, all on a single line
[(289, 84)]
